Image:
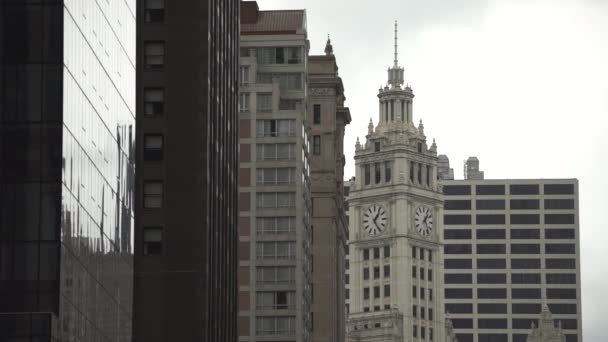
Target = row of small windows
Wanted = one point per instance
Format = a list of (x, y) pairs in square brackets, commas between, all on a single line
[(264, 101), (516, 278), (515, 234), (523, 248), (376, 252), (376, 289), (422, 293), (501, 323), (567, 264), (514, 219), (422, 332), (504, 337), (527, 308), (387, 165), (420, 273), (423, 312), (376, 272), (514, 204), (514, 189), (422, 254), (494, 293)]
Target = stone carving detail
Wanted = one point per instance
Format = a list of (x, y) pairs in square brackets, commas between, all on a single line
[(322, 91)]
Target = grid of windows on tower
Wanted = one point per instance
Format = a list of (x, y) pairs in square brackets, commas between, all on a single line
[(508, 249)]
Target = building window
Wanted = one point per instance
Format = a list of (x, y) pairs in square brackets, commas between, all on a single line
[(367, 171), (430, 275), (316, 145), (415, 331), (376, 253), (154, 101), (387, 290), (275, 152), (153, 147), (276, 176), (154, 54), (413, 252), (414, 311), (154, 11), (430, 334), (275, 325), (376, 291), (264, 102), (366, 273), (275, 225), (414, 272), (422, 292), (387, 271), (422, 333), (377, 173), (430, 295), (244, 75), (275, 200), (387, 251), (559, 189), (366, 293), (377, 272), (276, 128), (419, 173), (421, 273), (377, 146), (276, 250), (457, 190), (317, 114), (412, 171), (153, 240), (414, 291), (153, 194), (244, 102), (278, 300), (428, 175), (387, 171), (419, 147), (366, 254), (294, 55)]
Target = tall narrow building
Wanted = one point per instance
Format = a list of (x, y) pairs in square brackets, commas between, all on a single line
[(396, 228), (67, 137), (274, 196), (327, 119), (187, 171)]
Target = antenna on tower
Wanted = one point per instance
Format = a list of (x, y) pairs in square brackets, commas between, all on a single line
[(396, 59)]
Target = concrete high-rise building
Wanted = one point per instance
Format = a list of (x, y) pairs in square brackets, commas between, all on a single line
[(510, 247), (444, 171), (67, 137), (275, 270), (471, 169), (187, 171), (327, 119), (396, 230)]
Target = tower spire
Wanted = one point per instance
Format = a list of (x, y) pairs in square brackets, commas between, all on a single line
[(396, 47)]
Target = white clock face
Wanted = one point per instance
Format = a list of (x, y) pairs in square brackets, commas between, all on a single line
[(374, 220), (423, 221)]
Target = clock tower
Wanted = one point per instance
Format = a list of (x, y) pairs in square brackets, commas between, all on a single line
[(396, 228)]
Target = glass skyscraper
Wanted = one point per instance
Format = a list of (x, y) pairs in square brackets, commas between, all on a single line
[(67, 132)]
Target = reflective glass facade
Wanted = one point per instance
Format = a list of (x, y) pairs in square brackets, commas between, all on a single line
[(67, 128)]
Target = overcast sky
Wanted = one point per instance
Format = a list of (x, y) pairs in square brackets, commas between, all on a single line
[(521, 84)]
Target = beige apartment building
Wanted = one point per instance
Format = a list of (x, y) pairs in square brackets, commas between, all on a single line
[(274, 198), (327, 120)]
